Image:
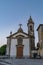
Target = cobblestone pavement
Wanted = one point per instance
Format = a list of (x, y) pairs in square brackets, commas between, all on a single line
[(21, 62)]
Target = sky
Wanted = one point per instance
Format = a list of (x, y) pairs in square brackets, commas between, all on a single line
[(15, 12)]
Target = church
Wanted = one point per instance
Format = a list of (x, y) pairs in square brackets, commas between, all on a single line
[(21, 44)]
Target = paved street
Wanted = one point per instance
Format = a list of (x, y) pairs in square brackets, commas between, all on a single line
[(21, 62)]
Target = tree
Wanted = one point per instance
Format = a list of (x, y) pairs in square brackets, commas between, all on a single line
[(3, 50)]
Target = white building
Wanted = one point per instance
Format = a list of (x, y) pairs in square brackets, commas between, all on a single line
[(21, 44)]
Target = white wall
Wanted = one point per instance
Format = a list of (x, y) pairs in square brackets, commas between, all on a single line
[(7, 48), (26, 50), (13, 47)]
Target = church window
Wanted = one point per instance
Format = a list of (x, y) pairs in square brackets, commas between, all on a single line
[(20, 41), (30, 27)]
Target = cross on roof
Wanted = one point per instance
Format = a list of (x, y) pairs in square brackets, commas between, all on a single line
[(20, 25)]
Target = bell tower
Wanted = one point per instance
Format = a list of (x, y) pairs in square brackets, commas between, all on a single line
[(30, 25)]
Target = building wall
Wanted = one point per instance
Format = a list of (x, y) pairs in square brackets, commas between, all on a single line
[(26, 51), (39, 33), (13, 47), (40, 52), (40, 36), (7, 48)]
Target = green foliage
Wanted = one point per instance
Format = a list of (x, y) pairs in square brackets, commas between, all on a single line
[(3, 50)]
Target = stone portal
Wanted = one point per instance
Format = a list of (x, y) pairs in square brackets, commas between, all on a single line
[(19, 53)]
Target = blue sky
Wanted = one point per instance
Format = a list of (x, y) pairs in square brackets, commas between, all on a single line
[(14, 12)]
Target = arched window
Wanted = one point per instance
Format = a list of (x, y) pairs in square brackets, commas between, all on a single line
[(20, 41), (30, 27)]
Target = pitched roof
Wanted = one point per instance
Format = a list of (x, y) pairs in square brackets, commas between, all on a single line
[(39, 26), (17, 33), (20, 30)]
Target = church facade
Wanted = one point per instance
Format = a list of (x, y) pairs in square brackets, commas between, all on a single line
[(21, 44)]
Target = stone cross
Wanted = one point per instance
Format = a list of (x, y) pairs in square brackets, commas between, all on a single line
[(20, 25)]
